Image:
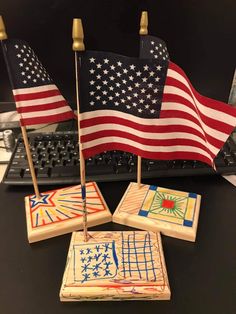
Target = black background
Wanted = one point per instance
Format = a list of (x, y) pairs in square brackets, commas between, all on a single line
[(200, 36)]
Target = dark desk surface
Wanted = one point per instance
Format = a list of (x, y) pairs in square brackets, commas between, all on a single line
[(202, 275)]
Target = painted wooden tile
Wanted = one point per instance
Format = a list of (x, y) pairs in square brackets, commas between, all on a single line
[(174, 213), (60, 211), (115, 266)]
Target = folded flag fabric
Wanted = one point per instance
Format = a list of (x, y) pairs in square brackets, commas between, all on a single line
[(153, 47), (148, 107), (37, 98)]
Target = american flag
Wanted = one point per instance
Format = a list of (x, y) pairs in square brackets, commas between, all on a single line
[(37, 98), (153, 47), (148, 107)]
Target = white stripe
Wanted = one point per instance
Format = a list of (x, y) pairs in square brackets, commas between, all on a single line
[(32, 90), (118, 114), (147, 148), (145, 122), (152, 136), (41, 101), (44, 113), (207, 111), (180, 107), (135, 119), (141, 121)]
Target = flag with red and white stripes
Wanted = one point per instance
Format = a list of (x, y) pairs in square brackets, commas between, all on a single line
[(37, 98), (148, 107)]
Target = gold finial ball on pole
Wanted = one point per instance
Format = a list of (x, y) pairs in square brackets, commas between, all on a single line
[(78, 35), (3, 34), (144, 23)]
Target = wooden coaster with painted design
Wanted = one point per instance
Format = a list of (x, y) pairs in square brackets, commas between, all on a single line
[(120, 265), (174, 213), (60, 211)]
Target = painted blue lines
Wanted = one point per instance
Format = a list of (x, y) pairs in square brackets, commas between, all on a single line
[(37, 219), (48, 215), (145, 260), (75, 209), (137, 259), (151, 260), (123, 254), (62, 213), (75, 193), (77, 202)]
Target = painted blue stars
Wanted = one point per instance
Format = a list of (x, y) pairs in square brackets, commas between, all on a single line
[(95, 261)]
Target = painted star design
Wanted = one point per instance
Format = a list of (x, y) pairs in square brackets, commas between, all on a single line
[(46, 200)]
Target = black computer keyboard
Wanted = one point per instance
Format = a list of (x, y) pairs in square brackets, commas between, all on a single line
[(56, 161)]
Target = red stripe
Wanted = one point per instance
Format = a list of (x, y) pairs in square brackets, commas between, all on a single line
[(144, 141), (149, 155), (137, 126), (48, 119), (208, 102), (187, 116), (211, 122), (214, 124), (43, 107), (181, 115), (170, 81), (171, 128), (37, 95)]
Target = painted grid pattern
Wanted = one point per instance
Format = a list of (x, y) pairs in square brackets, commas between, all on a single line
[(137, 257)]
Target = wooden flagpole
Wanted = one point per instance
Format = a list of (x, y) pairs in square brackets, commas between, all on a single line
[(78, 45), (3, 36), (142, 31)]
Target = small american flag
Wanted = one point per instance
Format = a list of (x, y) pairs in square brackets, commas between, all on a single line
[(153, 48), (37, 98), (148, 107)]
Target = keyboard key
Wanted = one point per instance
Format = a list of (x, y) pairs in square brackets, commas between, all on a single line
[(188, 164), (42, 172), (14, 172), (97, 170), (26, 173), (69, 171), (230, 161)]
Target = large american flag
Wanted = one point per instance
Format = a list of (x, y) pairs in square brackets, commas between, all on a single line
[(37, 98), (148, 107)]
